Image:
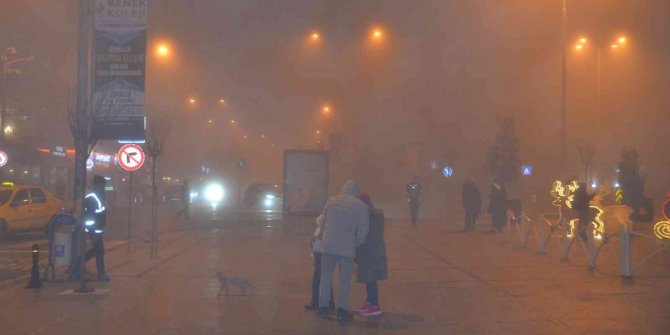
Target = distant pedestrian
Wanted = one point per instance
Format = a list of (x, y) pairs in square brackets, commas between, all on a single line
[(345, 227), (472, 203), (414, 191), (185, 199), (498, 205), (317, 252), (371, 259)]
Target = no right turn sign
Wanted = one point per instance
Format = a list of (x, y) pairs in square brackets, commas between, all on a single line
[(131, 157)]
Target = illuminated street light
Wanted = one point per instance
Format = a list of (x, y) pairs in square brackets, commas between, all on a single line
[(210, 122), (315, 37), (222, 101), (191, 100), (163, 51), (232, 121), (377, 34), (619, 42), (318, 132)]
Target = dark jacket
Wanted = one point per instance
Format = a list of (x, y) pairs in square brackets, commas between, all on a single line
[(582, 200), (371, 256), (498, 200), (472, 198)]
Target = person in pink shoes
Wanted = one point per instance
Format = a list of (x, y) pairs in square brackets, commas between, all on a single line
[(371, 259)]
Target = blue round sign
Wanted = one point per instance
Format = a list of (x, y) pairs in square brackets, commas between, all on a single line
[(447, 171)]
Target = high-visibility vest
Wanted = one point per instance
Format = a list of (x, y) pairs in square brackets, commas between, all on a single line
[(95, 213)]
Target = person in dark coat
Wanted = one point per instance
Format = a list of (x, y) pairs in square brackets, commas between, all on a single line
[(371, 259), (498, 205), (580, 204), (472, 203), (414, 191)]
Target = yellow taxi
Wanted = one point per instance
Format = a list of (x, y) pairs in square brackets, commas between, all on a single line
[(24, 208)]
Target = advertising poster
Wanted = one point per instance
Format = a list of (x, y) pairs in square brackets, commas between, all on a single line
[(305, 181), (120, 38)]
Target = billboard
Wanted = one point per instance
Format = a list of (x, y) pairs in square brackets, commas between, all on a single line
[(120, 39), (305, 181)]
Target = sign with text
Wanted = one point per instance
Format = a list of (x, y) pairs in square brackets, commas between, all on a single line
[(119, 70)]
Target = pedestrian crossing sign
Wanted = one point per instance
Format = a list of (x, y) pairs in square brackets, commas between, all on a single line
[(527, 170)]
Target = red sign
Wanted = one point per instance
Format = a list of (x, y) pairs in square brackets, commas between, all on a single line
[(131, 157)]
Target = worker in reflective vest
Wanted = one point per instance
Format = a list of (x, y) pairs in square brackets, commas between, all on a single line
[(94, 219)]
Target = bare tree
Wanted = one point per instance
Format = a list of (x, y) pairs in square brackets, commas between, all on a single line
[(158, 130)]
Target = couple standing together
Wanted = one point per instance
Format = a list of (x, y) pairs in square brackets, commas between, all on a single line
[(349, 230)]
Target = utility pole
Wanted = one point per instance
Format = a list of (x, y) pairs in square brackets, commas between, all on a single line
[(81, 129), (564, 90)]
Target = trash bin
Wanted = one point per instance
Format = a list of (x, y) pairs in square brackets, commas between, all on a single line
[(62, 247), (63, 234)]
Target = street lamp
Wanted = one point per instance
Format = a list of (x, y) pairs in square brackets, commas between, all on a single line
[(7, 59), (163, 51), (581, 45)]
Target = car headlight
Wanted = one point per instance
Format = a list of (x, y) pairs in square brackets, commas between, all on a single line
[(214, 193)]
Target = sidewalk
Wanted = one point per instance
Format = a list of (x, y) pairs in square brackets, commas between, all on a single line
[(441, 281)]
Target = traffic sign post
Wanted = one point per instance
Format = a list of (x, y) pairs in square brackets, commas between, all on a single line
[(527, 170), (131, 157)]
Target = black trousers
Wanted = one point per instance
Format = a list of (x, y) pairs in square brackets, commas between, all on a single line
[(414, 210), (373, 293), (498, 219), (97, 250), (470, 218), (316, 281)]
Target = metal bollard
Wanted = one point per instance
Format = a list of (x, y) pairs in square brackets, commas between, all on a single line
[(625, 262), (35, 281)]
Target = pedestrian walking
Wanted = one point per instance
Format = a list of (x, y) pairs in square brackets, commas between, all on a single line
[(371, 259), (94, 218), (185, 199), (580, 204), (345, 227), (497, 205), (317, 252), (414, 191), (472, 203)]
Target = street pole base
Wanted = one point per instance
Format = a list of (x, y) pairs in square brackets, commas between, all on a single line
[(84, 289)]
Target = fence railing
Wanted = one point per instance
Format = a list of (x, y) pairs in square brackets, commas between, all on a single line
[(593, 237)]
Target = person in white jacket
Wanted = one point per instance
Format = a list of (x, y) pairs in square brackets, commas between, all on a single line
[(345, 226)]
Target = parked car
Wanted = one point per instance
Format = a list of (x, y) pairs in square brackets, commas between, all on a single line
[(26, 208), (263, 195)]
